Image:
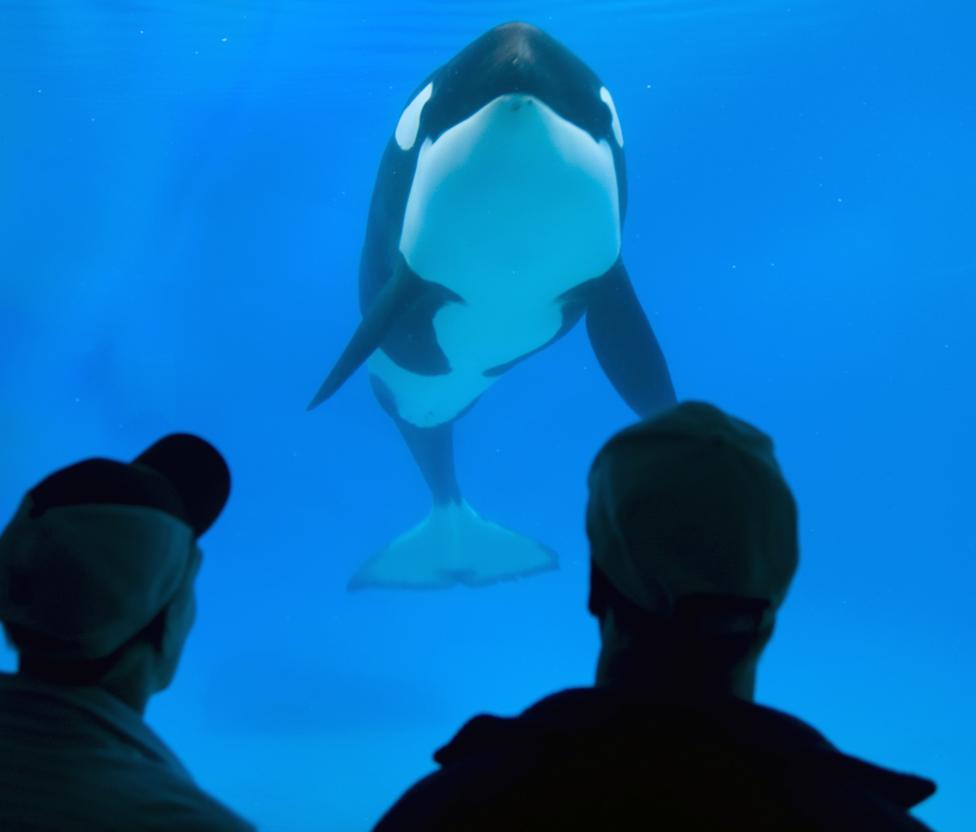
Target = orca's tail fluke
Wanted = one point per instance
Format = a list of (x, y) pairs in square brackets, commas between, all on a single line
[(454, 546)]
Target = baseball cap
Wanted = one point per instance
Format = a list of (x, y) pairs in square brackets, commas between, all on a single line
[(97, 549), (692, 503)]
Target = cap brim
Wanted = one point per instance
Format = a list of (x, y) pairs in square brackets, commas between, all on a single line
[(197, 471)]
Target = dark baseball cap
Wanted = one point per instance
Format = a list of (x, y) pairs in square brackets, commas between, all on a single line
[(98, 548), (689, 503)]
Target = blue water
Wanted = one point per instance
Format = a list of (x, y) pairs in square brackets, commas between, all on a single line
[(183, 189)]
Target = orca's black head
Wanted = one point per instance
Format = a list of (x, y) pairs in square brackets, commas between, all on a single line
[(514, 59)]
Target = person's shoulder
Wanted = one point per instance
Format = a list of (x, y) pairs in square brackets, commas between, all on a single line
[(486, 791), (498, 770), (113, 791), (201, 813), (159, 796), (834, 789)]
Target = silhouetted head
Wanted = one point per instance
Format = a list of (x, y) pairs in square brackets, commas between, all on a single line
[(514, 94), (519, 61), (693, 542), (98, 564)]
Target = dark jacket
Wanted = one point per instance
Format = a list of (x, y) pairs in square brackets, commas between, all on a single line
[(600, 759)]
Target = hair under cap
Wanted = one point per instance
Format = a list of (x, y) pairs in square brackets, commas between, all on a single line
[(96, 550), (691, 502), (82, 580)]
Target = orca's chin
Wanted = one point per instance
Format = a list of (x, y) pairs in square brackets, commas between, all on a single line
[(516, 101), (515, 120)]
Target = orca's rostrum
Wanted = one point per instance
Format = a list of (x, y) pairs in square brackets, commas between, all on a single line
[(494, 227)]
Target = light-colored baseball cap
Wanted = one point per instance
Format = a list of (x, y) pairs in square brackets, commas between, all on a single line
[(692, 502), (96, 550)]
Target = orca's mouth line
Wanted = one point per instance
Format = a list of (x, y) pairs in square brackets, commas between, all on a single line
[(519, 100)]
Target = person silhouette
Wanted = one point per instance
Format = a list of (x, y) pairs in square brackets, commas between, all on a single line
[(97, 569), (693, 541)]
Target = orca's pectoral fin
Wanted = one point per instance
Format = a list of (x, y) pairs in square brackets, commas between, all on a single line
[(625, 344), (401, 290)]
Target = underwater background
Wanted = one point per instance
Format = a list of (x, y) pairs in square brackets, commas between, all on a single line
[(183, 195)]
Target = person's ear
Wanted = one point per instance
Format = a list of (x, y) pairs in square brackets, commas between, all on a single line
[(179, 618), (155, 631), (180, 614), (597, 600)]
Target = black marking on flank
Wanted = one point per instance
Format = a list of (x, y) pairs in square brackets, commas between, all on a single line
[(403, 293), (574, 303), (411, 340)]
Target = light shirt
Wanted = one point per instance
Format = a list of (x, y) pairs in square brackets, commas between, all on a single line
[(77, 758)]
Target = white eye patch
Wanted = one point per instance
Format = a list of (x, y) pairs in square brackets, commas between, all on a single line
[(618, 134), (409, 123)]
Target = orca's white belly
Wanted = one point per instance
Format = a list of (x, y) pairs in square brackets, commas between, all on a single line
[(509, 209)]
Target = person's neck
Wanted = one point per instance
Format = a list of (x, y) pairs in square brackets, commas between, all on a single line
[(132, 692), (646, 673), (132, 685)]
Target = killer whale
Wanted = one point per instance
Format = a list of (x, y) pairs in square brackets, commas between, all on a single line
[(494, 227)]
